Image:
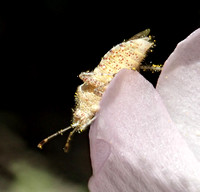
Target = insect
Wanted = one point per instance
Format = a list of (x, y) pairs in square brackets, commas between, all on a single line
[(128, 54)]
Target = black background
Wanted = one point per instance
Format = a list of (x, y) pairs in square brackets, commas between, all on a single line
[(44, 45)]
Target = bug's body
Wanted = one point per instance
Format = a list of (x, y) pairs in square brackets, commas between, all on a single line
[(125, 55), (128, 55)]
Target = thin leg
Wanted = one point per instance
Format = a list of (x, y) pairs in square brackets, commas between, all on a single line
[(92, 78), (153, 68), (91, 120), (66, 148)]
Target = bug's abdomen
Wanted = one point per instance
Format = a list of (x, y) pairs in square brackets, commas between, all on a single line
[(125, 55)]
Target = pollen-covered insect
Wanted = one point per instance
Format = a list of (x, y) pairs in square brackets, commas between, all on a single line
[(128, 54)]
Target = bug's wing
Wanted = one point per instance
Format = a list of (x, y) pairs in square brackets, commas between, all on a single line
[(141, 34)]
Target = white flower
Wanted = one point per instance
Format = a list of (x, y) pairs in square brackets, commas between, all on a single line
[(146, 139)]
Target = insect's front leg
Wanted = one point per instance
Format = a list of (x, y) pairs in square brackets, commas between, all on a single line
[(90, 78), (96, 79)]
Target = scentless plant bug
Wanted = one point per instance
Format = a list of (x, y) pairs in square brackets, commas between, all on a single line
[(128, 54)]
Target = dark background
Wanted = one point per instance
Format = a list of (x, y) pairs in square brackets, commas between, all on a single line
[(44, 45)]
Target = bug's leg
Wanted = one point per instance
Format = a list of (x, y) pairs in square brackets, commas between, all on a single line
[(66, 147), (94, 78), (152, 68), (87, 77), (91, 120)]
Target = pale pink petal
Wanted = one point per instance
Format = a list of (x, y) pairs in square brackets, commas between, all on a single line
[(135, 146), (179, 87)]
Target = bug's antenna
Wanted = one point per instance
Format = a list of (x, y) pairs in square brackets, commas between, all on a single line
[(40, 145)]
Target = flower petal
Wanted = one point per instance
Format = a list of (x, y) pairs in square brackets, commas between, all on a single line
[(143, 150), (179, 87)]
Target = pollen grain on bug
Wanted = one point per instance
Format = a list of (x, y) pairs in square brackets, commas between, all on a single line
[(128, 54)]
